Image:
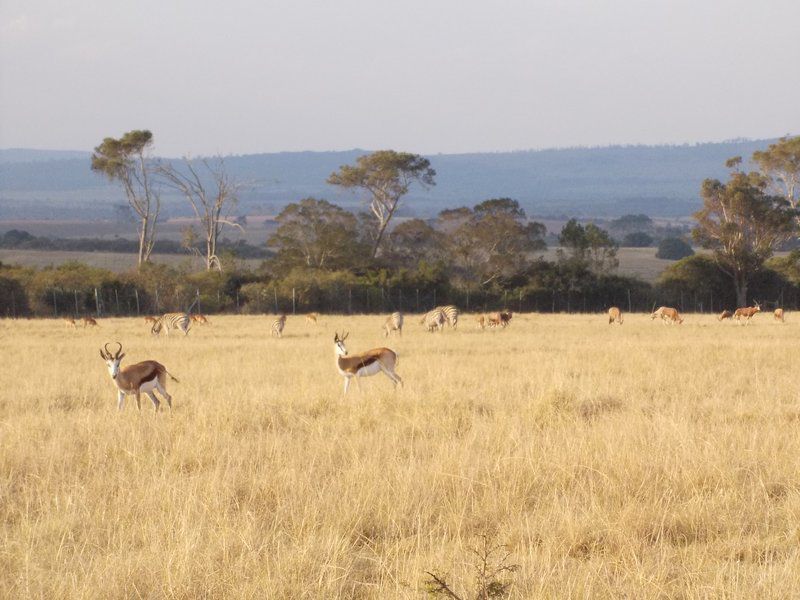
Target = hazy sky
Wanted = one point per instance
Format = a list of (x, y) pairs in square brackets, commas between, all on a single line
[(421, 75)]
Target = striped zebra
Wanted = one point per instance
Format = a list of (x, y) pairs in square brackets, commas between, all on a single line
[(450, 314), (434, 320), (277, 326), (394, 322), (179, 321)]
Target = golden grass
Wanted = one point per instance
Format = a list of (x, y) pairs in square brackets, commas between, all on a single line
[(641, 461)]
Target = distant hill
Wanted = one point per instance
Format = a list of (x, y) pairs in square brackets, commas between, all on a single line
[(661, 181)]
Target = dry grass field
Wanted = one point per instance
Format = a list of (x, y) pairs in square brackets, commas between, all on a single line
[(641, 461)]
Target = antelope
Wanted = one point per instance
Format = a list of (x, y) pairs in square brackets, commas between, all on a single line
[(481, 319), (150, 320), (365, 364), (70, 323), (179, 321), (89, 322), (746, 313), (311, 318), (778, 315), (499, 319), (450, 314), (277, 326), (434, 320), (394, 322), (725, 314), (667, 315), (143, 377), (614, 314), (200, 319)]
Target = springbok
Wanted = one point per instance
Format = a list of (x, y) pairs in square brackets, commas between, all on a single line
[(89, 322), (365, 364), (70, 323), (667, 315), (142, 377), (614, 315), (778, 315), (199, 319), (394, 322), (277, 326), (311, 318), (725, 314), (481, 319), (746, 313)]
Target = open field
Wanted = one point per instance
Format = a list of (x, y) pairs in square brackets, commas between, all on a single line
[(641, 461), (641, 262)]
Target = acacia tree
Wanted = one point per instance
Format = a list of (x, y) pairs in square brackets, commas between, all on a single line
[(127, 161), (743, 225), (385, 176), (780, 163), (213, 199), (315, 234)]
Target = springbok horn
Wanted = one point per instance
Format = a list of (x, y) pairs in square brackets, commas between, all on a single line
[(119, 350), (108, 352), (345, 336), (103, 354)]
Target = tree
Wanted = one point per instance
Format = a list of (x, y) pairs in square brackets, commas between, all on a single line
[(588, 246), (126, 161), (631, 223), (780, 163), (213, 199), (316, 234), (637, 239), (673, 248), (495, 242), (414, 241), (743, 225), (385, 176)]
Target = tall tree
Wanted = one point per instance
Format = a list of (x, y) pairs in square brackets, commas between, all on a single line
[(126, 161), (780, 163), (743, 224), (414, 241), (385, 176), (315, 234), (213, 197), (587, 246)]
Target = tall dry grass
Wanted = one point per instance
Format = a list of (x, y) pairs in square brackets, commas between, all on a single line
[(640, 461)]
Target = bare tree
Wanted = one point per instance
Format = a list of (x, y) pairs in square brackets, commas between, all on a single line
[(213, 199)]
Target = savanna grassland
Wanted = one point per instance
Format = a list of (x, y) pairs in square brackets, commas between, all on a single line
[(641, 461)]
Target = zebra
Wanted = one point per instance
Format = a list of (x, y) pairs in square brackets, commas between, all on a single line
[(179, 321), (434, 320), (277, 326), (394, 322), (450, 314)]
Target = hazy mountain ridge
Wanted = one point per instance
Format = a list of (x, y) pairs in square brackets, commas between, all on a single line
[(606, 181)]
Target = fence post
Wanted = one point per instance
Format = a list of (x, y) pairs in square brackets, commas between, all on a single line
[(237, 301), (96, 302), (350, 300), (158, 310), (434, 297), (55, 307), (294, 308), (197, 296), (75, 292), (116, 295), (417, 299), (136, 293), (275, 292)]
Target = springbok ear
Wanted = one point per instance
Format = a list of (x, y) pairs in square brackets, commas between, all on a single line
[(121, 356)]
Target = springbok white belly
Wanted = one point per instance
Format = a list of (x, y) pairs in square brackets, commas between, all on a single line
[(147, 386), (371, 369)]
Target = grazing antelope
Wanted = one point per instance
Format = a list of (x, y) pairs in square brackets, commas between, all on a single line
[(434, 320), (70, 323), (89, 322), (394, 322), (143, 377), (179, 321), (499, 319), (150, 320), (311, 318), (365, 364), (667, 315), (614, 314), (746, 313), (481, 319), (199, 319), (277, 326), (778, 315), (450, 314), (725, 314)]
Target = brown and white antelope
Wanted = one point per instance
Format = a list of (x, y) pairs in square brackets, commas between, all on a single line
[(70, 323), (434, 320), (667, 315), (89, 322), (778, 315), (614, 315), (394, 322), (179, 321), (199, 319), (746, 313), (481, 319), (725, 314), (311, 318), (277, 326), (499, 319), (365, 364), (143, 377)]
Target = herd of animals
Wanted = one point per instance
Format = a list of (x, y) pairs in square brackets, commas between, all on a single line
[(151, 376)]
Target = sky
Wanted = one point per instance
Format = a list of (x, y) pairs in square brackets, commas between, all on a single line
[(428, 76)]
